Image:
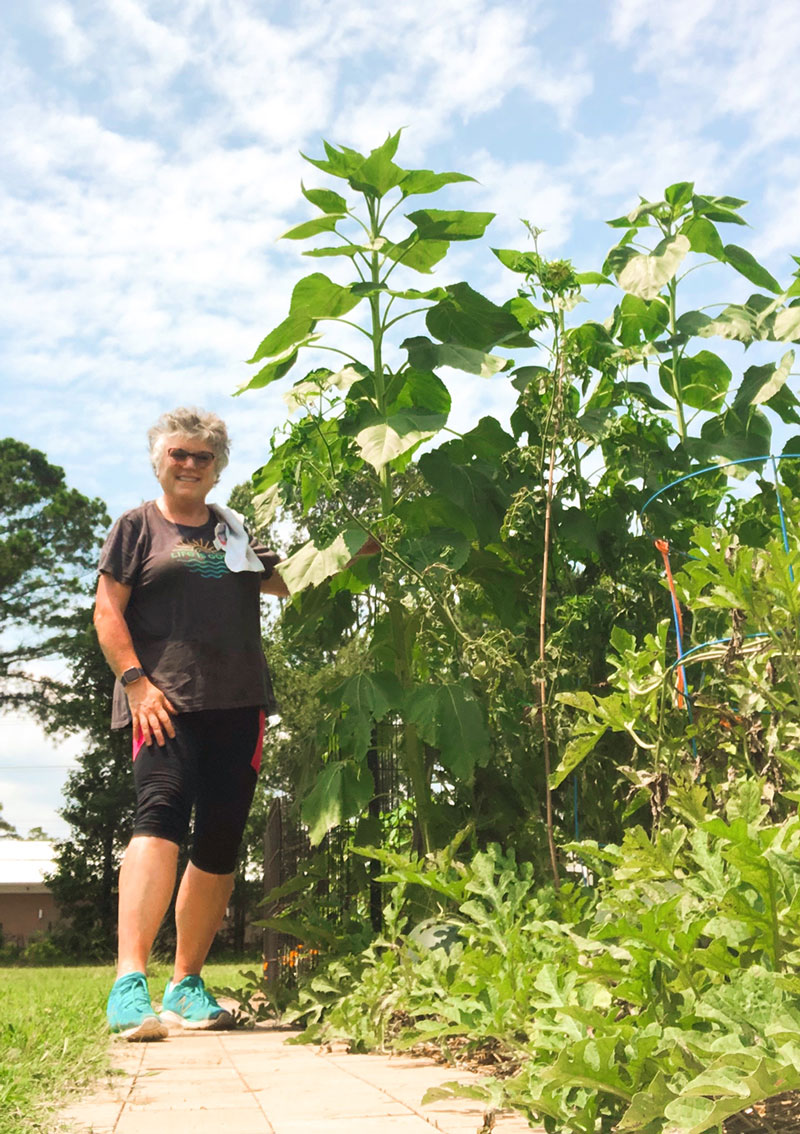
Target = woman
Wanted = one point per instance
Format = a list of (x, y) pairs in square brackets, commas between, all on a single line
[(177, 617)]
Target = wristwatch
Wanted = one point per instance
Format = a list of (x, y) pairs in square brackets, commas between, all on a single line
[(131, 675)]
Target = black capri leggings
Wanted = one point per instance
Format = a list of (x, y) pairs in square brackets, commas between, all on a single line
[(210, 764)]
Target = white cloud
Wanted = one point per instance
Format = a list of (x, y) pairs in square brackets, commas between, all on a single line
[(730, 59), (531, 190), (59, 20)]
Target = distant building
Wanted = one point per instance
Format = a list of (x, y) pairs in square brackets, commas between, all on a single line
[(27, 908)]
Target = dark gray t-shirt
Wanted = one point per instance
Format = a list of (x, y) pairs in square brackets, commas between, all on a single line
[(195, 625)]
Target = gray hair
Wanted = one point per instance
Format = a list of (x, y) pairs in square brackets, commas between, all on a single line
[(190, 422)]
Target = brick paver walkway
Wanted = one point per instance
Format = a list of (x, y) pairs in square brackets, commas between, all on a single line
[(252, 1082)]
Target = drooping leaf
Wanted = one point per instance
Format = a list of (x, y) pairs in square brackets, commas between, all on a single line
[(617, 257), (577, 749), (524, 262), (487, 440), (385, 440), (467, 487), (786, 327), (294, 329), (719, 208), (427, 513), (641, 392), (747, 265), (641, 319), (525, 375), (449, 718), (527, 315), (416, 253), (311, 565), (319, 297), (702, 380), (644, 209), (785, 405), (738, 433), (421, 389), (320, 382), (425, 354), (341, 792), (314, 297), (760, 383), (469, 318), (692, 323), (349, 250), (594, 344), (584, 278), (443, 547), (365, 698), (577, 526), (325, 199), (311, 228), (645, 274), (703, 237), (444, 224), (734, 322), (432, 293), (275, 369), (597, 422), (265, 504)]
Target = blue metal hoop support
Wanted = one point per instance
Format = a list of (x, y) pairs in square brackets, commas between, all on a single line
[(774, 460)]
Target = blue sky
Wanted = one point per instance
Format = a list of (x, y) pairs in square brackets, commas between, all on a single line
[(149, 159)]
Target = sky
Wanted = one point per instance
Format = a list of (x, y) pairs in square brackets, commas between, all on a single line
[(150, 157)]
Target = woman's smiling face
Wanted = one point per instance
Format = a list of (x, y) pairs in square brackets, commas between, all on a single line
[(180, 475)]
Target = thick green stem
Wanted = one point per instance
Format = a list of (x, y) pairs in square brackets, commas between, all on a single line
[(412, 750)]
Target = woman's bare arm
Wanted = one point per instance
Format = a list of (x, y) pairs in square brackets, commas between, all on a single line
[(274, 585), (150, 708)]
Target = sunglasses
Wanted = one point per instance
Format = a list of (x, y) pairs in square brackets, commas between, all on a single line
[(182, 456)]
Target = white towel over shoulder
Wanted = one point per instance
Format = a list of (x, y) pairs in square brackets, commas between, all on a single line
[(230, 537)]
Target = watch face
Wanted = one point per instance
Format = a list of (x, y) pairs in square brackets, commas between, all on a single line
[(131, 675)]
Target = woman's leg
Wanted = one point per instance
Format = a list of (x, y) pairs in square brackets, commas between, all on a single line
[(146, 885), (165, 778), (226, 780), (199, 910)]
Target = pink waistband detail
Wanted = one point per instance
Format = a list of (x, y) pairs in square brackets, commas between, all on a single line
[(256, 761), (138, 741)]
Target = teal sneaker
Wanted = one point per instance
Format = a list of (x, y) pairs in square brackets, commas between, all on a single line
[(129, 1012), (190, 1005)]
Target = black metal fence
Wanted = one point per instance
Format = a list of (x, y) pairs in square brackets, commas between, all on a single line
[(347, 889)]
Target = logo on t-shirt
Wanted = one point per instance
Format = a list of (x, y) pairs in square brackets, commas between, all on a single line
[(202, 557)]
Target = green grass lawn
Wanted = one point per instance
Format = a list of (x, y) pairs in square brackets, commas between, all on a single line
[(53, 1037)]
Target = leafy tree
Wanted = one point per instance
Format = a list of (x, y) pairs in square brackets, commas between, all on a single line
[(99, 798), (49, 534)]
